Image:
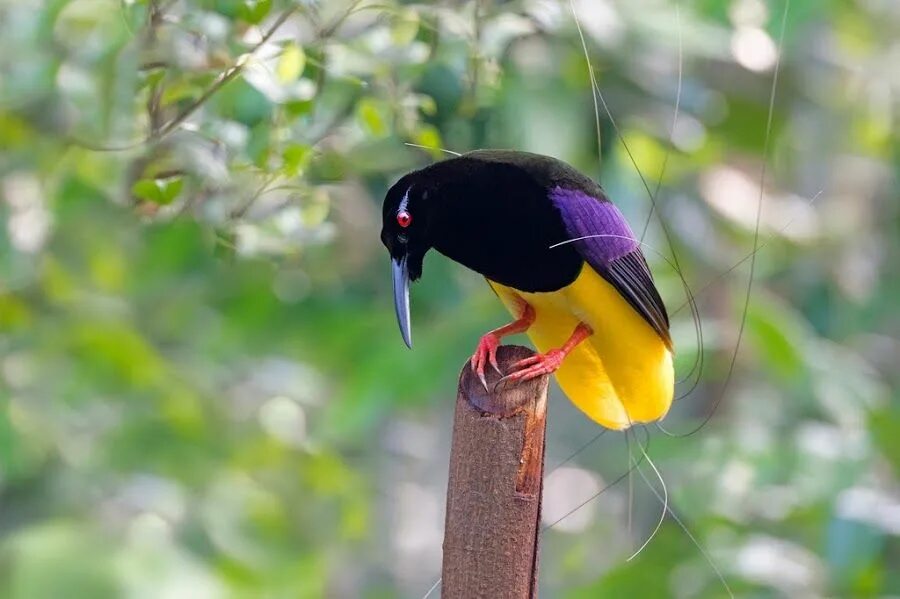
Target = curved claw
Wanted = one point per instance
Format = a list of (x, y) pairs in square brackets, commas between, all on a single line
[(483, 380), (493, 359), (485, 353)]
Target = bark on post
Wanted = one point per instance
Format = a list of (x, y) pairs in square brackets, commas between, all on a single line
[(494, 491)]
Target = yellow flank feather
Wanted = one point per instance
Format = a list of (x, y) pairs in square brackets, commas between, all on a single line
[(623, 373)]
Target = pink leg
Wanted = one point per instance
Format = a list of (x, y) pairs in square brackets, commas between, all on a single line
[(486, 352), (550, 362)]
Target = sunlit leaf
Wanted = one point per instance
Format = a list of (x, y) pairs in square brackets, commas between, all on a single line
[(254, 11), (404, 27), (295, 158), (373, 116), (429, 137), (291, 63), (158, 191), (315, 209)]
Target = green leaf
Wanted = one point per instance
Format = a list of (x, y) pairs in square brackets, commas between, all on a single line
[(254, 11), (427, 105), (158, 191), (297, 108), (430, 137), (259, 145), (146, 189), (171, 189), (179, 90), (405, 27), (372, 116), (154, 77), (884, 424), (295, 158), (290, 64), (315, 210)]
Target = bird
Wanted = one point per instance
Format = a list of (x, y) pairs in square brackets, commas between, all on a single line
[(563, 261)]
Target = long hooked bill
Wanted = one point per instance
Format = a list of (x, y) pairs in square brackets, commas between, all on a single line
[(400, 274)]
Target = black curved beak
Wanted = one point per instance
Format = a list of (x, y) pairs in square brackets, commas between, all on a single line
[(400, 274)]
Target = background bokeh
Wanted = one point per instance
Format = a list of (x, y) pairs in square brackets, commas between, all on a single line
[(204, 393)]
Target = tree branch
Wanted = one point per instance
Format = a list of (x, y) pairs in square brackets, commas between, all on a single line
[(225, 78)]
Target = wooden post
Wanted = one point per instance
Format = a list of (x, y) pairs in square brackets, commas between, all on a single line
[(494, 491)]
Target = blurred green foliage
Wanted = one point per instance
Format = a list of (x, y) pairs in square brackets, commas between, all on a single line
[(203, 391)]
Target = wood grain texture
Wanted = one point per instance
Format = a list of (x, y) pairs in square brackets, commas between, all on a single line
[(494, 490)]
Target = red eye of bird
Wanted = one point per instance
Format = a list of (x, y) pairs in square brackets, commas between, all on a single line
[(404, 218)]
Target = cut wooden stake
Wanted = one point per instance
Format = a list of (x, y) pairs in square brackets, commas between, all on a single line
[(494, 491)]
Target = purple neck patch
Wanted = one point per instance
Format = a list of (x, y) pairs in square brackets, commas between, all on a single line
[(585, 215)]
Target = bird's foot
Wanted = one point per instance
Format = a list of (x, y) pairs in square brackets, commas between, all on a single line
[(535, 366), (486, 353)]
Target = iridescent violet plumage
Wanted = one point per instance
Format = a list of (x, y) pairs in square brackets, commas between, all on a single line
[(606, 234)]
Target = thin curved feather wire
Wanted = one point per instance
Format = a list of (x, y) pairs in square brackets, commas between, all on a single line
[(676, 266), (698, 361), (762, 181)]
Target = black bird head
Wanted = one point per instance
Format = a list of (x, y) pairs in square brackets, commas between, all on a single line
[(404, 232), (486, 210)]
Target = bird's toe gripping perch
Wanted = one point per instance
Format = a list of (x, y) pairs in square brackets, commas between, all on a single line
[(486, 353)]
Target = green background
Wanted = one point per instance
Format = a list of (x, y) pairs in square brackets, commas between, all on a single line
[(203, 392)]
